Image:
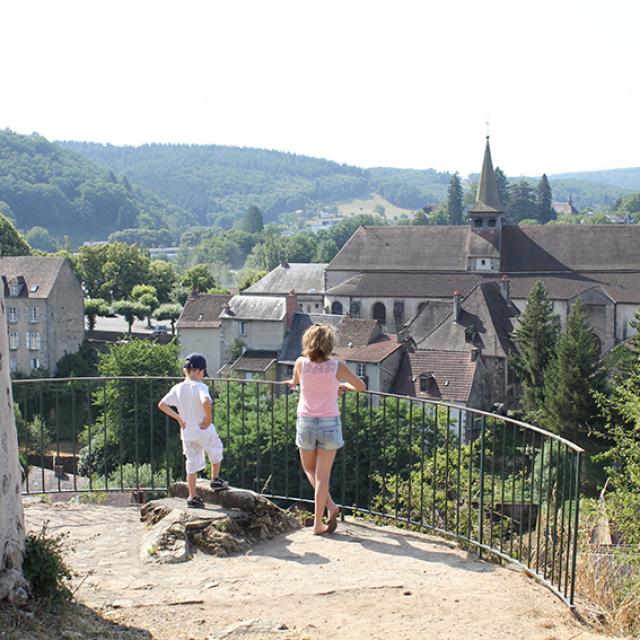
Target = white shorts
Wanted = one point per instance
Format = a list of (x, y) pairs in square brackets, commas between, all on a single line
[(194, 450)]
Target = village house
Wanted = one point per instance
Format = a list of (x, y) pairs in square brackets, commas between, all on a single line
[(306, 280), (389, 273), (45, 311)]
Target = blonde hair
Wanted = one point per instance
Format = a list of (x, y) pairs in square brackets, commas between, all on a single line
[(318, 341)]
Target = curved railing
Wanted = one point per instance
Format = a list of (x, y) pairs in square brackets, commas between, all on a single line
[(504, 487)]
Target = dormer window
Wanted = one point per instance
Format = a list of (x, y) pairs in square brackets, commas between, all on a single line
[(477, 222), (470, 335), (491, 222), (428, 383), (14, 289)]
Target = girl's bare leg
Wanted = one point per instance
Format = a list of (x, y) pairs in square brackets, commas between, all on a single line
[(324, 462), (309, 461)]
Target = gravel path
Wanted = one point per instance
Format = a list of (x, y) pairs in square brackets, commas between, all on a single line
[(364, 582)]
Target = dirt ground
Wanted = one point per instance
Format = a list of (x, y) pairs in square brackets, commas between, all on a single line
[(362, 582)]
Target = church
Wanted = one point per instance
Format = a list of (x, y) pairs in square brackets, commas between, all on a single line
[(390, 274)]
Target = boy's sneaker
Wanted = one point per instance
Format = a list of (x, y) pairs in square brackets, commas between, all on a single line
[(219, 483), (195, 503)]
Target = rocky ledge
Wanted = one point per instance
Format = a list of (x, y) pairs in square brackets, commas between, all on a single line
[(231, 522)]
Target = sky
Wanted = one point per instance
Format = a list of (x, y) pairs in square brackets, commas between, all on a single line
[(400, 83)]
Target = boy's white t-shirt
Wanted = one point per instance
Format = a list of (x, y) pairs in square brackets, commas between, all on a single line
[(187, 397)]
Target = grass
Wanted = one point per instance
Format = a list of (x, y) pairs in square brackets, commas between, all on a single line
[(368, 206)]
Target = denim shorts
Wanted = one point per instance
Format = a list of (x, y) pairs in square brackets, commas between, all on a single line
[(319, 433)]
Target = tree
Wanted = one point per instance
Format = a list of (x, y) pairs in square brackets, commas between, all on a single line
[(11, 241), (14, 587), (573, 377), (94, 307), (125, 266), (81, 364), (198, 278), (39, 238), (163, 277), (535, 340), (249, 277), (503, 188), (454, 200), (169, 312), (522, 202), (420, 218), (326, 250), (544, 200), (267, 255), (252, 221), (131, 311)]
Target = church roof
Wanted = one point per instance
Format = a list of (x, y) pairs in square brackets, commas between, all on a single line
[(296, 276), (487, 198)]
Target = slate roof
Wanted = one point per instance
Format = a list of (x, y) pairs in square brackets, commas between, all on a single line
[(406, 248), (453, 373), (576, 247), (202, 311), (248, 307), (299, 277), (428, 318), (292, 345), (258, 361), (377, 351), (484, 313), (487, 198), (622, 286), (32, 271)]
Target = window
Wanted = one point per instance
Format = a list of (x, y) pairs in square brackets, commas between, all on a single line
[(12, 314), (491, 222), (361, 369), (14, 289), (398, 312), (35, 363), (354, 310), (380, 312), (14, 340), (477, 222), (13, 364), (34, 314), (33, 340), (336, 308), (428, 383), (243, 328)]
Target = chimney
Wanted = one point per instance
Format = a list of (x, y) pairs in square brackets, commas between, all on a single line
[(505, 288), (475, 353), (292, 307), (457, 299), (284, 264)]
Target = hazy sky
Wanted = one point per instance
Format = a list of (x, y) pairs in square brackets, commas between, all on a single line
[(397, 83)]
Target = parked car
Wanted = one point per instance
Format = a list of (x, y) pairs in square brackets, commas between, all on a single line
[(159, 330)]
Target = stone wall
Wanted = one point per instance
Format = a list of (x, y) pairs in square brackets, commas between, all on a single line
[(12, 585)]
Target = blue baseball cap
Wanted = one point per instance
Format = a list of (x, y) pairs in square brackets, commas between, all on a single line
[(196, 361)]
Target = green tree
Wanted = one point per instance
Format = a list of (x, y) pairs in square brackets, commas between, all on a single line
[(131, 310), (326, 250), (198, 278), (522, 202), (81, 364), (39, 238), (169, 312), (454, 200), (503, 188), (12, 242), (420, 218), (163, 277), (544, 200), (94, 307), (252, 221), (268, 254), (535, 340), (248, 277), (91, 259), (125, 266), (573, 377)]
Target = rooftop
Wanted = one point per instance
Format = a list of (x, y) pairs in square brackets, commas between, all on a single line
[(296, 276)]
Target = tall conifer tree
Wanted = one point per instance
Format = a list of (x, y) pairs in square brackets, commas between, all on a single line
[(502, 183), (544, 200), (535, 339), (454, 200)]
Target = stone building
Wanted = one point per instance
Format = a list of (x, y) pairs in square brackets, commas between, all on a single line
[(390, 273), (45, 311)]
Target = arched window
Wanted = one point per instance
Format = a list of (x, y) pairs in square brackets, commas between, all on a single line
[(380, 312), (336, 308)]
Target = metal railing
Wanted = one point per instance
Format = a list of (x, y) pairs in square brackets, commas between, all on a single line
[(505, 488)]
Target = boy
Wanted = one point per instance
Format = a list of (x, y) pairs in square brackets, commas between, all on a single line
[(193, 403)]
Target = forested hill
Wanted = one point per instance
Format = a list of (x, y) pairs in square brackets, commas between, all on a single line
[(42, 185), (219, 183)]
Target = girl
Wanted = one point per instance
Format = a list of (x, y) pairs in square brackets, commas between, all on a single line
[(318, 428)]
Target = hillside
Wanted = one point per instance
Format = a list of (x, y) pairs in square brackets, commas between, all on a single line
[(43, 185), (218, 183)]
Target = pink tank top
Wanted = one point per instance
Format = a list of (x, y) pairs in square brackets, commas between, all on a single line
[(318, 389)]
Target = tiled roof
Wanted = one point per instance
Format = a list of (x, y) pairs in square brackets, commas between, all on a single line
[(621, 286), (247, 307), (39, 273), (296, 276), (485, 317), (202, 310), (406, 248), (356, 332), (565, 247), (255, 361), (374, 352), (453, 373)]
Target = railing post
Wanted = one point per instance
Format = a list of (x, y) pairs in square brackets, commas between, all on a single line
[(574, 554)]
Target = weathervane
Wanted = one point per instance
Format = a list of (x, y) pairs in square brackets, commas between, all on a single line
[(487, 123)]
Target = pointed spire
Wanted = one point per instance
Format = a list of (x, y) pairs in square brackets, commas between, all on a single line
[(487, 198)]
